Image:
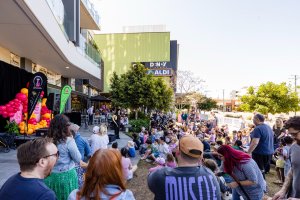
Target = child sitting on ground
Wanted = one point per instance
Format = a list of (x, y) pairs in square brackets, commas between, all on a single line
[(114, 145), (170, 161), (131, 149), (153, 152), (128, 168), (213, 166), (160, 161), (136, 141)]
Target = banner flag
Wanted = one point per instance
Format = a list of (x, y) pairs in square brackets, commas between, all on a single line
[(36, 86), (64, 96)]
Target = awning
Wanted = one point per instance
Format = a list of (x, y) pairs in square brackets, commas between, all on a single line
[(100, 98)]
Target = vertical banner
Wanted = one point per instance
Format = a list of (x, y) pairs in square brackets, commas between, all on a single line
[(64, 96), (36, 86)]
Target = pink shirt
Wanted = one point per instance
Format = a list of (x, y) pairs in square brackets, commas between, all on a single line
[(155, 168), (126, 163), (171, 164)]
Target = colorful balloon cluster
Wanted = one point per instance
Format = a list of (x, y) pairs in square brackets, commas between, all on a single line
[(16, 110)]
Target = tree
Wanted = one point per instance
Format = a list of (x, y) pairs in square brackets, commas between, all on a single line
[(136, 89), (207, 104), (187, 82), (189, 99), (270, 98)]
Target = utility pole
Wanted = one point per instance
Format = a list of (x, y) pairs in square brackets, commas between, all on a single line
[(295, 77)]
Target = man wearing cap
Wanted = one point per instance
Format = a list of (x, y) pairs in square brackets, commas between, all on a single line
[(262, 143), (187, 181)]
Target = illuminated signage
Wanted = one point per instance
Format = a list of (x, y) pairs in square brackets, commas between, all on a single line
[(160, 72)]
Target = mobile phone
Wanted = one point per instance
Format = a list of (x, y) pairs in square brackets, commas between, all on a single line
[(227, 177)]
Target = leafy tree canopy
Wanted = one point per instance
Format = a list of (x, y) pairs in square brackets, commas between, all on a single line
[(270, 98), (207, 104), (136, 89)]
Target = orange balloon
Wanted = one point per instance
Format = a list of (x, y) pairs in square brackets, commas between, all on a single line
[(30, 131), (24, 91)]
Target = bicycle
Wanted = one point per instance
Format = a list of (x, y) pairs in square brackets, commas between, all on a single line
[(3, 146)]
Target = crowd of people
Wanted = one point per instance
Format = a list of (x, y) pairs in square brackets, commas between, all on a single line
[(194, 159)]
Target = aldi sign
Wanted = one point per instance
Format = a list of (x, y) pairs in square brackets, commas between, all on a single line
[(160, 72)]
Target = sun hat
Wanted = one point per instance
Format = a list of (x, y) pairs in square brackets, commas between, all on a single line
[(96, 129)]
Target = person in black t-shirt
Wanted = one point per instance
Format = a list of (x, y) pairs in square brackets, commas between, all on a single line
[(188, 180), (36, 159)]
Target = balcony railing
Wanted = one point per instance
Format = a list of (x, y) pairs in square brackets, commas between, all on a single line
[(58, 10), (92, 11), (89, 50)]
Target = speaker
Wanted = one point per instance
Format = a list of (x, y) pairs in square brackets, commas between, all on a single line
[(50, 101), (111, 138)]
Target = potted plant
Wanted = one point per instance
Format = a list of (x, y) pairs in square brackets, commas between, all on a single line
[(12, 127), (12, 130)]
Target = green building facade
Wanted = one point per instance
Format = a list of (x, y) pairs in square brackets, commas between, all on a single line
[(120, 50)]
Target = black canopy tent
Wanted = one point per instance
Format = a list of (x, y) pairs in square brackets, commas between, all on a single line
[(100, 98)]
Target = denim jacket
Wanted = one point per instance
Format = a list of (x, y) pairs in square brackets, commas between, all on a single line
[(111, 189), (68, 156), (83, 146)]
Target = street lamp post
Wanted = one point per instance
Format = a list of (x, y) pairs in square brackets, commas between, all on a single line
[(223, 102)]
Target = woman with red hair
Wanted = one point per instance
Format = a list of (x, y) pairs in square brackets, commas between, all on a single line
[(103, 178), (248, 180)]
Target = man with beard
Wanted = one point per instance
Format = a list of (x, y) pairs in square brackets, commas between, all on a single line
[(36, 159), (261, 146), (291, 187)]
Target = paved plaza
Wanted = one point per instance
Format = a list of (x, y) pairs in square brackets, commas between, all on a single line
[(9, 164)]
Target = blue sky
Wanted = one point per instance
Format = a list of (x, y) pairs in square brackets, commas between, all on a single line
[(228, 43)]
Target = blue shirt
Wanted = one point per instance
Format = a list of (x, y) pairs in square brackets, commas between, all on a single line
[(83, 146), (131, 152), (20, 188), (266, 139)]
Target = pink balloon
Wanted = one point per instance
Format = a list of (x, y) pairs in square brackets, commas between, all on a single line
[(2, 108), (4, 114), (21, 96), (9, 109)]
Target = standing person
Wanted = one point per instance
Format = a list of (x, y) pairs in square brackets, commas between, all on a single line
[(291, 187), (172, 183), (104, 178), (116, 120), (63, 179), (247, 180), (36, 159), (99, 140), (90, 112), (184, 116), (84, 149), (279, 132), (261, 146)]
